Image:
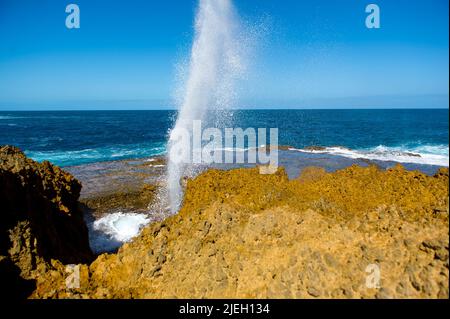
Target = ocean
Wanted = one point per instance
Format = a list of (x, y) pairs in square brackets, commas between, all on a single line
[(89, 144), (69, 138)]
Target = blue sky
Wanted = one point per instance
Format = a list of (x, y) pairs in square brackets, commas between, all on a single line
[(311, 54)]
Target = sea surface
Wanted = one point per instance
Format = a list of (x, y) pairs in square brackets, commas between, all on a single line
[(68, 138), (89, 144)]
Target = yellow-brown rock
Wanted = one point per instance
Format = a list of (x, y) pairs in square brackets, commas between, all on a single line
[(39, 221), (240, 234)]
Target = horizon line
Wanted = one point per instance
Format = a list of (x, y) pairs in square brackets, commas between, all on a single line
[(233, 109)]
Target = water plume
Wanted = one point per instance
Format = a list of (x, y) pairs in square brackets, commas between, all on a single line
[(216, 62)]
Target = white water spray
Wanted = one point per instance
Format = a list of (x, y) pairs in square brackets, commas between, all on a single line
[(215, 64)]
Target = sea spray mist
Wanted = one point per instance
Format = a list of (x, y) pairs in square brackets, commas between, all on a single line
[(215, 64)]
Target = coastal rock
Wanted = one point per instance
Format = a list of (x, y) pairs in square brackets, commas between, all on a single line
[(356, 233), (39, 221), (131, 200), (315, 148)]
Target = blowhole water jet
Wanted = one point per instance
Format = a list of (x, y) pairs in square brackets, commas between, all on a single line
[(215, 65)]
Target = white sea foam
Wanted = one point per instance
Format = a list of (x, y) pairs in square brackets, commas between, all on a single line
[(112, 230), (418, 154), (66, 158)]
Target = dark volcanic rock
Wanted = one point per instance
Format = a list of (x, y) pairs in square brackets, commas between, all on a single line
[(40, 219)]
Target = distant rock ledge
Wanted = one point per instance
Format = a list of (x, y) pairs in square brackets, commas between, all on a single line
[(40, 221)]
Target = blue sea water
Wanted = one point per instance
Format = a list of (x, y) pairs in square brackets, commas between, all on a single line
[(69, 138)]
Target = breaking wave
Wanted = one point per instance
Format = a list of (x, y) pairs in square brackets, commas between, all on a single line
[(416, 154), (93, 155), (111, 231)]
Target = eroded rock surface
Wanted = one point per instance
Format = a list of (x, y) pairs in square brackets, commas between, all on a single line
[(39, 221), (242, 234)]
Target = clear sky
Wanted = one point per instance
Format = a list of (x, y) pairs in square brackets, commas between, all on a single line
[(315, 53)]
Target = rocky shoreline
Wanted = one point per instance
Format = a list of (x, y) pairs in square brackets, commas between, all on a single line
[(40, 222), (238, 235)]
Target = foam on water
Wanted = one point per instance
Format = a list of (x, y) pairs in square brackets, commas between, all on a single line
[(90, 155), (415, 154), (112, 230)]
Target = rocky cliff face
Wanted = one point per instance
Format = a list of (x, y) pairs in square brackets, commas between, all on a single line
[(356, 233), (39, 221)]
